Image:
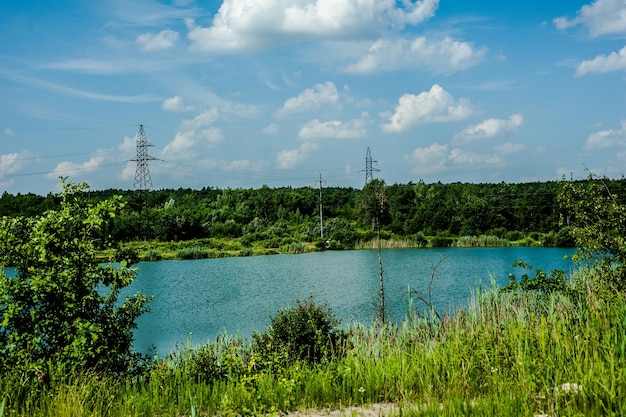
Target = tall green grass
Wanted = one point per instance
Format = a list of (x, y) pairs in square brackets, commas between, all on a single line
[(508, 354)]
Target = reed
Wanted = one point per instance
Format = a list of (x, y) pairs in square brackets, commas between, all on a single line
[(507, 354)]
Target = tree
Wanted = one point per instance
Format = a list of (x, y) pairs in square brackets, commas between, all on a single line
[(597, 219), (373, 204), (62, 308)]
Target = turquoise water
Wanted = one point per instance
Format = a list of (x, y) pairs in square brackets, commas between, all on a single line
[(197, 300)]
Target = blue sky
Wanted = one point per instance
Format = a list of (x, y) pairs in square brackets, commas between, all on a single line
[(243, 93)]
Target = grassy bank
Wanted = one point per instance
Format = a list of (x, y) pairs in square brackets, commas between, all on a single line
[(155, 250), (509, 354)]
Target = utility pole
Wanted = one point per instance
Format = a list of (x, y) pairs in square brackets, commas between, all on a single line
[(143, 180), (321, 211), (369, 166)]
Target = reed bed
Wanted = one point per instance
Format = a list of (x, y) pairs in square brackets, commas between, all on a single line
[(508, 354)]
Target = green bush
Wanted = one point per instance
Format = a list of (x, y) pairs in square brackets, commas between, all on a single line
[(541, 282), (308, 332), (62, 309)]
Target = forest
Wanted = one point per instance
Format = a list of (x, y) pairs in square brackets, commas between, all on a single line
[(421, 214), (511, 211)]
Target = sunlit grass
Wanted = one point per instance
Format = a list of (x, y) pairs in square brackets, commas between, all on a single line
[(507, 354)]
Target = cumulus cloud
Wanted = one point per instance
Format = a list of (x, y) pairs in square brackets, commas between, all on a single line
[(310, 99), (615, 61), (12, 162), (193, 132), (333, 129), (461, 157), (436, 158), (252, 25), (601, 17), (607, 138), (165, 39), (67, 168), (292, 157), (436, 105), (490, 128), (430, 159), (176, 104), (444, 56)]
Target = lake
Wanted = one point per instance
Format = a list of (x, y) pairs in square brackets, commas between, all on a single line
[(197, 300)]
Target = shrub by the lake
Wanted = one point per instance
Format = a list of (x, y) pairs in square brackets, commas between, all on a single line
[(306, 332)]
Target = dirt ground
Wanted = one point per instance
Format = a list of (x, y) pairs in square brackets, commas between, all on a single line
[(373, 410)]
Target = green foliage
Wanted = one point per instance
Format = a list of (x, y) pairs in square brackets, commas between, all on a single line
[(308, 332), (269, 215), (63, 306), (595, 212), (541, 282), (373, 205)]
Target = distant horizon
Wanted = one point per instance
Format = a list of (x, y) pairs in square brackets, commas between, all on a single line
[(240, 94)]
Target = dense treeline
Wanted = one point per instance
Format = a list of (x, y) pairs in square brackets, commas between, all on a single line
[(283, 215)]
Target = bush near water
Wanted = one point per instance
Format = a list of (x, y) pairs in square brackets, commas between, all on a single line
[(544, 345)]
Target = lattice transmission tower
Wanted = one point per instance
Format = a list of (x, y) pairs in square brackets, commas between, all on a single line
[(143, 180), (369, 166)]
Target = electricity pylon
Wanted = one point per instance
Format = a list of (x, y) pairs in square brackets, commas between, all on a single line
[(143, 180), (369, 166)]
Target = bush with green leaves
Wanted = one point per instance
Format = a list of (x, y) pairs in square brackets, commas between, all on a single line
[(307, 332), (543, 283), (596, 219), (62, 307)]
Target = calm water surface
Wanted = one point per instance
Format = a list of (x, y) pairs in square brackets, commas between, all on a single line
[(197, 300)]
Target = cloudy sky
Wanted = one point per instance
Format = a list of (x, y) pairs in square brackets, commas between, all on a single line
[(241, 93)]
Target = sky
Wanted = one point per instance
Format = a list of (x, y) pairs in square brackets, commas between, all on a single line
[(246, 93)]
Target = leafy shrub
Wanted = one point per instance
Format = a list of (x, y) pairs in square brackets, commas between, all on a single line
[(62, 309), (514, 235), (308, 332), (541, 282), (564, 238)]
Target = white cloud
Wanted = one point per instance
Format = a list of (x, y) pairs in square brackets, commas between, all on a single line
[(510, 148), (333, 129), (436, 105), (271, 129), (489, 128), (310, 99), (461, 157), (445, 56), (607, 138), (175, 104), (12, 162), (252, 25), (430, 159), (67, 168), (165, 39), (436, 158), (601, 17), (9, 132), (192, 133), (615, 61), (290, 158)]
